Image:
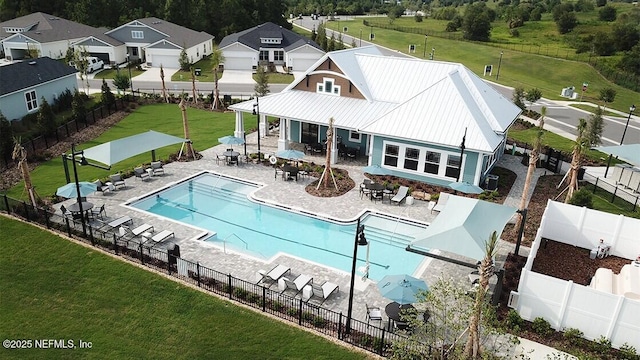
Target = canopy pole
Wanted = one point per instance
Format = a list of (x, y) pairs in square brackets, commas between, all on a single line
[(454, 261), (153, 155)]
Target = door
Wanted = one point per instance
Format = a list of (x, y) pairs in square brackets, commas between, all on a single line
[(309, 133)]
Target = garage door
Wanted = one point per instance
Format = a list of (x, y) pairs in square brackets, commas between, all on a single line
[(102, 56), (238, 63), (303, 64), (168, 62)]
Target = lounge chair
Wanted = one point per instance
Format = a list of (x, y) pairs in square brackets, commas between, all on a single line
[(323, 290), (400, 195), (442, 202), (142, 229), (373, 314), (120, 221), (162, 236), (101, 187), (296, 284), (98, 212), (274, 274), (117, 180), (157, 168), (142, 174)]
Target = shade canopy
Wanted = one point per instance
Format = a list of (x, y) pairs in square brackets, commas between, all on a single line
[(231, 140), (466, 187), (376, 170), (121, 149), (401, 288), (290, 154), (463, 227), (629, 153), (70, 191)]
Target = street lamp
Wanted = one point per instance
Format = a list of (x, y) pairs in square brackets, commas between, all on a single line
[(256, 112), (83, 161), (462, 147), (499, 63), (360, 240), (424, 52), (130, 81), (632, 108)]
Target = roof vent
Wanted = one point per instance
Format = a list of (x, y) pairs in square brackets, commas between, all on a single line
[(32, 63)]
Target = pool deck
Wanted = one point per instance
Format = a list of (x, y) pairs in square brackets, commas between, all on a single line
[(292, 194)]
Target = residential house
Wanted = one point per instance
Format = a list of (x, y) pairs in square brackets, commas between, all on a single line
[(407, 115), (45, 34), (269, 44), (25, 83)]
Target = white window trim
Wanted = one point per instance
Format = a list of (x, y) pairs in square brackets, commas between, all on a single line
[(136, 32), (442, 167), (335, 89), (34, 100), (355, 139)]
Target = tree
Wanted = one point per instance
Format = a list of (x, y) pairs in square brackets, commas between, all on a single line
[(193, 86), (46, 118), (217, 58), (164, 87), (185, 126), (20, 155), (566, 22), (82, 64), (262, 82), (107, 96), (321, 37), (121, 81), (533, 95), (183, 59), (78, 111), (630, 60), (625, 36), (476, 23), (580, 146), (603, 44), (595, 127), (607, 95), (331, 45), (607, 13), (518, 97), (6, 138)]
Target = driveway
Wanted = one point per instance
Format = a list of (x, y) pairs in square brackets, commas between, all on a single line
[(237, 77), (153, 74)]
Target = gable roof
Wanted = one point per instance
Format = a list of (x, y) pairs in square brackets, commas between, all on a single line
[(251, 38), (25, 74), (404, 98), (176, 34), (43, 28)]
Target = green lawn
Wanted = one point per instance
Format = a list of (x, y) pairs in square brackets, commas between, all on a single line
[(206, 72), (518, 69), (277, 78), (110, 73), (205, 128), (55, 289)]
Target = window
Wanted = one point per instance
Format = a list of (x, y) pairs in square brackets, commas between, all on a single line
[(411, 156), (391, 155), (137, 34), (328, 87), (264, 55), (134, 51), (432, 162), (278, 55), (453, 166), (355, 136), (32, 100)]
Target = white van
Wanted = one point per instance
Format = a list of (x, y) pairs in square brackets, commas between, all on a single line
[(93, 64)]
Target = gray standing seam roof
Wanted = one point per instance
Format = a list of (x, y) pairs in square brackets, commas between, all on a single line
[(26, 74), (179, 35), (251, 37)]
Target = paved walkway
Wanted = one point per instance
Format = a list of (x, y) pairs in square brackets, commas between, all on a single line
[(348, 206)]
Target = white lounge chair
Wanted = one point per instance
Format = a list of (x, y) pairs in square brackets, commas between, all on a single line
[(274, 274), (162, 236), (442, 202), (296, 284), (401, 195), (324, 290), (157, 168), (116, 180), (142, 174), (120, 221), (142, 229)]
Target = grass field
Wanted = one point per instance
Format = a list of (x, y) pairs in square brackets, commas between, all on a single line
[(110, 73), (55, 289), (205, 129), (552, 140)]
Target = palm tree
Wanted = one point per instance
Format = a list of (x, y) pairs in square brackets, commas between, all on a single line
[(164, 87), (324, 178), (193, 86), (20, 155), (185, 125), (533, 160), (217, 58), (580, 146), (485, 270)]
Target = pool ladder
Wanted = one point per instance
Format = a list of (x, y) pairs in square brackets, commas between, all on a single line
[(224, 242)]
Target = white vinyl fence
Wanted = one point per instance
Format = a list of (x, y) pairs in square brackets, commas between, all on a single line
[(565, 304)]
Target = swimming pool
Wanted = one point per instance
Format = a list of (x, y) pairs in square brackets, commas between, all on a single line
[(223, 206)]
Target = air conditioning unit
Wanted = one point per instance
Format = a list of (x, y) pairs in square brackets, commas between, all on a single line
[(513, 300)]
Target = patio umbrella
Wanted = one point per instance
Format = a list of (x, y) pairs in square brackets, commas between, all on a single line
[(401, 288), (69, 191), (376, 170), (231, 140), (290, 154), (466, 187)]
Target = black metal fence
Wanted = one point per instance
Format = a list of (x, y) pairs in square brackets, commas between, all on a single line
[(306, 314), (619, 195)]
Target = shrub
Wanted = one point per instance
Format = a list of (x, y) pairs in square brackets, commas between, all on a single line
[(276, 305), (240, 293), (542, 327), (601, 345), (319, 322), (292, 312), (514, 321), (582, 197), (628, 352), (574, 336)]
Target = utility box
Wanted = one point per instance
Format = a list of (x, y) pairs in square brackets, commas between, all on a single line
[(198, 71), (492, 182), (568, 92)]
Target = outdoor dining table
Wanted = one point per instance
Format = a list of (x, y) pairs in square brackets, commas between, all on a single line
[(75, 208), (376, 189), (230, 155), (393, 311), (290, 172)]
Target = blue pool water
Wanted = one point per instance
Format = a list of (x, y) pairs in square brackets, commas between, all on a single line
[(221, 205)]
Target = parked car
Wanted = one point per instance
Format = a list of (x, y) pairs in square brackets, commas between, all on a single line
[(93, 64)]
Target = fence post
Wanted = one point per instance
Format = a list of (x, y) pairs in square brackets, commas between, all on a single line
[(46, 143), (26, 210), (93, 114), (93, 243), (300, 313), (595, 186), (340, 327), (198, 271), (101, 115), (66, 220), (6, 203), (141, 255), (264, 299), (168, 262), (66, 128), (613, 196), (229, 285), (381, 348), (115, 243), (46, 218)]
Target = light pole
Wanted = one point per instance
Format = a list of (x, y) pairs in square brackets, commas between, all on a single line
[(360, 37), (360, 240), (83, 161), (130, 81), (462, 147), (433, 53), (632, 108), (256, 112), (499, 63), (424, 52)]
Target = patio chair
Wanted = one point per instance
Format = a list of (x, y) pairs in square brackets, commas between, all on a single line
[(220, 158), (98, 212), (156, 167), (117, 180), (323, 290), (66, 213), (442, 202), (296, 284), (274, 274), (373, 314), (101, 187), (162, 236), (141, 174), (400, 195), (364, 190), (144, 228)]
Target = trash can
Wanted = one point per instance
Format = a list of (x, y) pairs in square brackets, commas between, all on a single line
[(173, 253), (492, 182), (581, 172), (198, 71), (409, 200)]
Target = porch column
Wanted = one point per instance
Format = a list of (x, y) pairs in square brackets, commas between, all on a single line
[(263, 126), (239, 131), (334, 147), (283, 142)]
